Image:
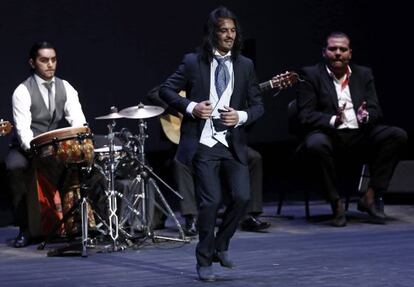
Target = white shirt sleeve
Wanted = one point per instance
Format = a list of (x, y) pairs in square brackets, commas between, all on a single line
[(22, 116), (332, 121), (242, 117), (190, 108), (73, 109)]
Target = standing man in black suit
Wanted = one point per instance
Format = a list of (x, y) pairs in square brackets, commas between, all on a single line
[(184, 179), (223, 97), (338, 106)]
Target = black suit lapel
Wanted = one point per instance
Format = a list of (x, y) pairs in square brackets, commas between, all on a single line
[(238, 73), (353, 89), (328, 84), (205, 78)]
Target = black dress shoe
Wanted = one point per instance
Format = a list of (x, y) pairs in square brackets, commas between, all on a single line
[(254, 224), (223, 258), (338, 210), (22, 239), (190, 226), (205, 273), (371, 209), (339, 220)]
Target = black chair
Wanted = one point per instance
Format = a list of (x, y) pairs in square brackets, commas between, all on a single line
[(297, 133)]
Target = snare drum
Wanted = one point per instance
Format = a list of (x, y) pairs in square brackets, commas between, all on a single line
[(71, 145)]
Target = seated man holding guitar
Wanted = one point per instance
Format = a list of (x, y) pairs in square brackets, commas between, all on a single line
[(171, 122)]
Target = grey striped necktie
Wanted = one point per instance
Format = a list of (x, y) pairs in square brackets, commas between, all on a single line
[(52, 106), (221, 75)]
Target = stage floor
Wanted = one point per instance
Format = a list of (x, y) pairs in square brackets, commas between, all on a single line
[(293, 252)]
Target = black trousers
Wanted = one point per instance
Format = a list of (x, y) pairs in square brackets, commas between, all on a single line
[(213, 167), (184, 177), (378, 146), (21, 172)]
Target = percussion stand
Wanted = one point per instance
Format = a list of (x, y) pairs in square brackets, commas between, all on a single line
[(110, 192), (144, 179), (83, 171)]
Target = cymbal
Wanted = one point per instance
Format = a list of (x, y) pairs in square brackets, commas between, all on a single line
[(111, 116), (141, 112)]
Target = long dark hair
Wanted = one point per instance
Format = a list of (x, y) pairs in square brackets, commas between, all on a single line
[(210, 37)]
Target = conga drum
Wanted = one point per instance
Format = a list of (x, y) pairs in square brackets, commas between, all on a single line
[(73, 145), (59, 155)]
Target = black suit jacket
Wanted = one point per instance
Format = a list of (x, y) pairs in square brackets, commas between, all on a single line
[(318, 102), (193, 76)]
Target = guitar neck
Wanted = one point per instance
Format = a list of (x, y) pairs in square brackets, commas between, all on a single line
[(265, 86)]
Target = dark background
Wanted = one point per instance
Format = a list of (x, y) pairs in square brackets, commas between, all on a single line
[(113, 52)]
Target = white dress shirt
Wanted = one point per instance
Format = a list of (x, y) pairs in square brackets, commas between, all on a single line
[(23, 117), (344, 98), (209, 136)]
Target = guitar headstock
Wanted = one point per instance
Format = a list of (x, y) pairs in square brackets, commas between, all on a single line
[(285, 80), (5, 127)]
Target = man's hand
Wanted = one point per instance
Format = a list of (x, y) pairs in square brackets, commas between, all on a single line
[(203, 110), (340, 116), (229, 117), (362, 113)]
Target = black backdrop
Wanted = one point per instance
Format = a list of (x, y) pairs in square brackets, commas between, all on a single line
[(113, 52)]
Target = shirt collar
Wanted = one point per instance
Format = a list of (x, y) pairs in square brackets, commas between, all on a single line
[(332, 75), (216, 53), (40, 81)]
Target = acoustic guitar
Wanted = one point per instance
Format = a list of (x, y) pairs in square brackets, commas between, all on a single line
[(5, 127), (171, 124)]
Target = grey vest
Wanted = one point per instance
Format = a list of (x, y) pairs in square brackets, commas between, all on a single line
[(41, 119)]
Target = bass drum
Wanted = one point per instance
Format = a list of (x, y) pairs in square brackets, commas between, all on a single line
[(126, 168)]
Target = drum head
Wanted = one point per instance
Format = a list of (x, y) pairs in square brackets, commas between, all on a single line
[(58, 134), (72, 145)]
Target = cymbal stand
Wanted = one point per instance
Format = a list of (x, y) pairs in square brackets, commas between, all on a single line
[(110, 192), (144, 180)]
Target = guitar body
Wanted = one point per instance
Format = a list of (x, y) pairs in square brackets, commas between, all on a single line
[(171, 124), (5, 127)]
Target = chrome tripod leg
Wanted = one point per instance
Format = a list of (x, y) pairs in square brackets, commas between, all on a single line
[(148, 201), (113, 218), (170, 212), (84, 222), (132, 198)]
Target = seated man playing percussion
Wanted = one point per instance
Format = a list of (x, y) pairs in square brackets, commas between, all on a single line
[(39, 105)]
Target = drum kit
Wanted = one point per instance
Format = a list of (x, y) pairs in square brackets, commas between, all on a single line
[(74, 147)]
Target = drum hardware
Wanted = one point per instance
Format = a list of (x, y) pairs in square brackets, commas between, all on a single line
[(113, 224), (146, 175), (111, 195), (78, 159)]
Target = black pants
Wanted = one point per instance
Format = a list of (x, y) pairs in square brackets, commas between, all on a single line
[(378, 146), (213, 167), (184, 177), (21, 172)]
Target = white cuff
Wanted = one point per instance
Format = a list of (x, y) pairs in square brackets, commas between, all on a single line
[(332, 121), (190, 108), (242, 118)]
